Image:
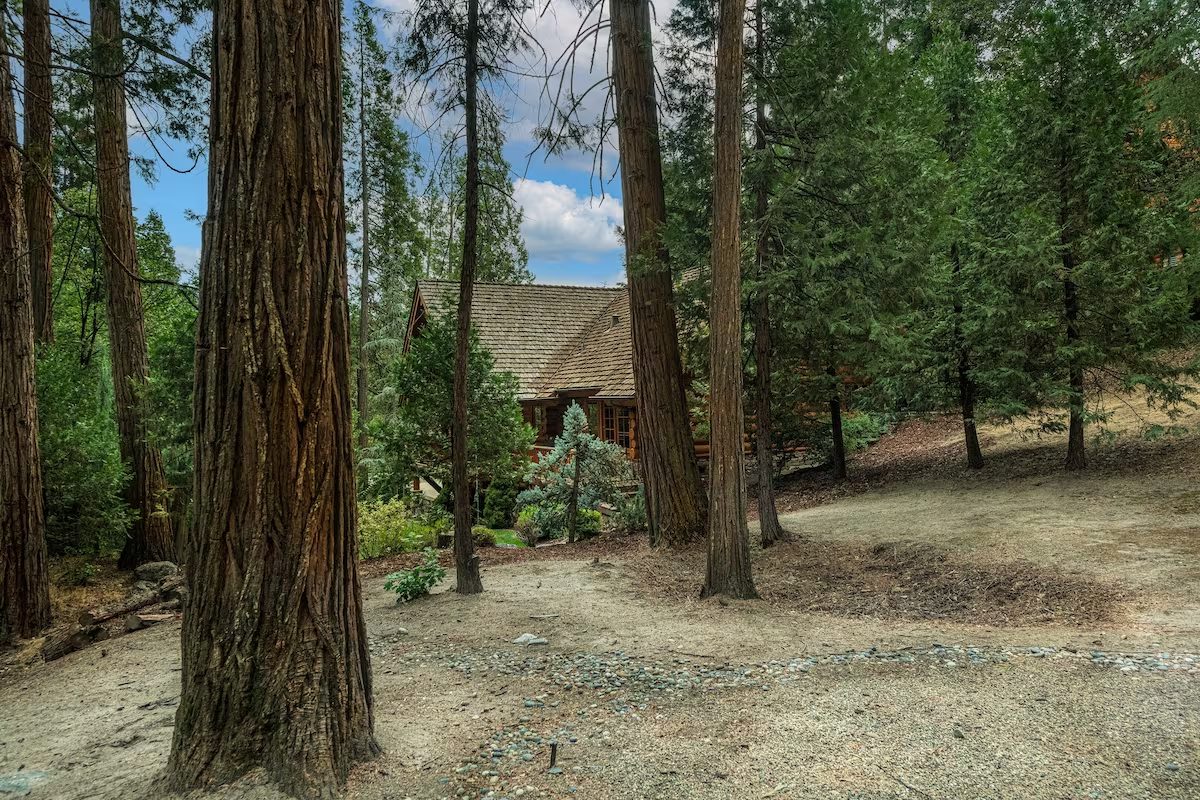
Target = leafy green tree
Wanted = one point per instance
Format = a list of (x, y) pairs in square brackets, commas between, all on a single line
[(1105, 286), (580, 471), (411, 433)]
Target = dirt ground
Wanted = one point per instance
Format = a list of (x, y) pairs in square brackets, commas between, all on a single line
[(850, 681)]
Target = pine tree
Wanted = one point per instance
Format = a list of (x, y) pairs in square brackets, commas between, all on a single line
[(1084, 149), (151, 537)]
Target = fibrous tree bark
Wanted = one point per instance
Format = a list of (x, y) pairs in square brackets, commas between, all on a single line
[(466, 563), (770, 531), (24, 585), (675, 499), (728, 536), (39, 129), (276, 669), (151, 537)]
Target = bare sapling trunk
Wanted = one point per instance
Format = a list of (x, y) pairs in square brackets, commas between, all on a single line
[(966, 383), (151, 537), (276, 668), (728, 535), (770, 531), (24, 584), (675, 500), (838, 456), (39, 130), (1076, 453), (364, 293), (466, 562)]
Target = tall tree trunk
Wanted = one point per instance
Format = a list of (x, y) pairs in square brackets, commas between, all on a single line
[(39, 129), (24, 585), (466, 563), (276, 670), (151, 537), (835, 421), (728, 536), (364, 294), (966, 384), (675, 500), (770, 531)]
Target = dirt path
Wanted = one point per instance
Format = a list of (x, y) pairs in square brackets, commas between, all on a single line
[(651, 693)]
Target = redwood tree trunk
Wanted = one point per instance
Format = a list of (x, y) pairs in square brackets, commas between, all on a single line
[(466, 563), (835, 421), (39, 128), (675, 501), (276, 670), (728, 536), (24, 586), (364, 286), (151, 537), (966, 384), (770, 531)]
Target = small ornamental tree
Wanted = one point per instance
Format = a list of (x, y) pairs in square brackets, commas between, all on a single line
[(411, 432), (579, 473)]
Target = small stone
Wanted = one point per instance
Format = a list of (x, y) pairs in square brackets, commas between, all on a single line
[(1172, 767)]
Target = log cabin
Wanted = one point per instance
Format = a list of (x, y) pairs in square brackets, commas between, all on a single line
[(563, 344)]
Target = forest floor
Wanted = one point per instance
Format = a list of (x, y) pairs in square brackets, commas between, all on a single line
[(930, 632)]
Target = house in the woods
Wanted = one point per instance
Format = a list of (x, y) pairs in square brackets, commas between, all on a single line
[(564, 344)]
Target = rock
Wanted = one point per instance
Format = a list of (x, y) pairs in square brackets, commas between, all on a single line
[(156, 571), (528, 639), (1172, 767), (21, 782), (958, 734)]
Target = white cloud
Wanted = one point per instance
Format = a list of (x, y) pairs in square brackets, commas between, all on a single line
[(561, 226), (187, 257)]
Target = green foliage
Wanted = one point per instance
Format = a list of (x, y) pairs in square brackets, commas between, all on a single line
[(412, 583), (548, 520), (629, 515), (600, 467), (77, 572), (389, 527), (412, 426), (500, 500), (483, 536)]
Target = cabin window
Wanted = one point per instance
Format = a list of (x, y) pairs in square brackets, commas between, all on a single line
[(593, 416), (539, 419), (618, 425)]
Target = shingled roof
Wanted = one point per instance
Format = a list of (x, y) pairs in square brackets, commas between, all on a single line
[(552, 338)]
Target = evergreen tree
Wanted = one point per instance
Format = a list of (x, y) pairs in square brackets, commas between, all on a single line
[(1106, 289)]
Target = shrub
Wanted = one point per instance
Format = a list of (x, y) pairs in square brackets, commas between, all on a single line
[(630, 514), (77, 572), (483, 536), (388, 527), (588, 524), (409, 584), (549, 521), (500, 500)]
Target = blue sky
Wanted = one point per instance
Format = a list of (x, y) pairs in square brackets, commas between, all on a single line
[(569, 230)]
